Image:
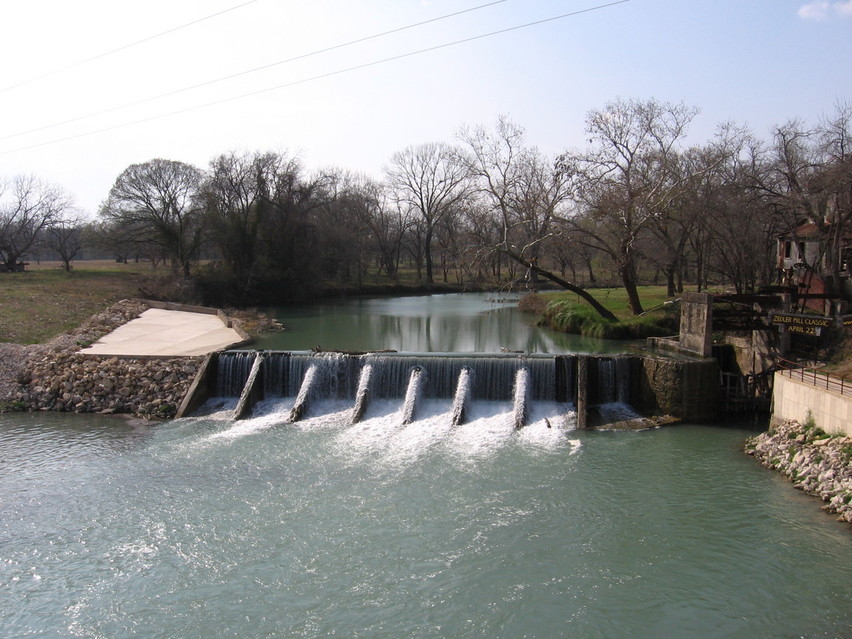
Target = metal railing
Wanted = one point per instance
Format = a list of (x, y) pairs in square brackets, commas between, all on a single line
[(834, 383)]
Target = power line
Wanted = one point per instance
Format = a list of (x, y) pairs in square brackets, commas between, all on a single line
[(248, 71), (123, 47), (318, 77)]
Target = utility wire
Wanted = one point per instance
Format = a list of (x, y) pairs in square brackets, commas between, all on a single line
[(317, 77), (247, 71), (123, 47)]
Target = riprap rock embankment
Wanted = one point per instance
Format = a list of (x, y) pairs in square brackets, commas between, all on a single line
[(77, 383), (817, 463), (56, 377)]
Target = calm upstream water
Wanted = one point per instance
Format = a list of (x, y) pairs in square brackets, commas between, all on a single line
[(449, 323), (205, 527)]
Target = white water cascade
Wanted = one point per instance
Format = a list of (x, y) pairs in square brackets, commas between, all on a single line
[(311, 380)]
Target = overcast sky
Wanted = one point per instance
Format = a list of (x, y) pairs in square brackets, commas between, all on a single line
[(91, 86)]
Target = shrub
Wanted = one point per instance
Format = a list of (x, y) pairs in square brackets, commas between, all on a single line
[(533, 303)]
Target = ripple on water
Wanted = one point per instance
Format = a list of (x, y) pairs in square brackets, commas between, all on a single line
[(378, 529)]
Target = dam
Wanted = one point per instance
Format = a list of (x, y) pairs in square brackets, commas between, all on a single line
[(584, 384)]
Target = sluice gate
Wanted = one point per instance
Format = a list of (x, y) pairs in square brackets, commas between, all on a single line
[(412, 378)]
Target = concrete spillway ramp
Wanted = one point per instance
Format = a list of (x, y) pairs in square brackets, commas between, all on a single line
[(168, 333)]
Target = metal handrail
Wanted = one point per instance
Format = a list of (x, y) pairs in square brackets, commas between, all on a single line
[(833, 383)]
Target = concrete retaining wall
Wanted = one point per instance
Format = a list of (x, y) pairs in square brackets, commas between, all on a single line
[(687, 389), (796, 400)]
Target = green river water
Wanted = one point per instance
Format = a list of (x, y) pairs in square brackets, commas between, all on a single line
[(205, 527)]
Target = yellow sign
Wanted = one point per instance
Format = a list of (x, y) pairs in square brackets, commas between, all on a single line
[(804, 321), (804, 330), (803, 324)]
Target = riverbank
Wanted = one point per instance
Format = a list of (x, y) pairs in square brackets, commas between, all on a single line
[(17, 360), (55, 376), (560, 312), (817, 463)]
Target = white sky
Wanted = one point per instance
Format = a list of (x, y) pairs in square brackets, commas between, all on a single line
[(754, 62)]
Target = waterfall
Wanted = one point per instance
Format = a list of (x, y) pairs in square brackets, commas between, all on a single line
[(492, 376), (412, 377), (326, 376), (612, 379), (232, 371), (276, 374)]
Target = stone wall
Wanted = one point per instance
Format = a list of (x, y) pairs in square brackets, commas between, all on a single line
[(756, 353), (815, 462)]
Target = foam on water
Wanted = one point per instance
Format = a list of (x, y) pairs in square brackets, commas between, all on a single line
[(383, 435), (484, 434), (323, 528), (490, 427)]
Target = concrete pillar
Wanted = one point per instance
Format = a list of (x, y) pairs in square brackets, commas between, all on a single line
[(362, 395), (409, 406), (521, 396), (250, 391), (460, 398), (582, 391), (696, 323), (199, 390)]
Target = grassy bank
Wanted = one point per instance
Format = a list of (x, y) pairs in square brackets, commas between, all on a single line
[(567, 312), (45, 301)]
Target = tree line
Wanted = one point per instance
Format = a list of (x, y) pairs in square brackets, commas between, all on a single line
[(256, 227)]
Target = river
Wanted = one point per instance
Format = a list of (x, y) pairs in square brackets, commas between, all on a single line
[(449, 323), (205, 527)]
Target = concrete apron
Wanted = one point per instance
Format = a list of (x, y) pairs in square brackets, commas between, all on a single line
[(167, 333)]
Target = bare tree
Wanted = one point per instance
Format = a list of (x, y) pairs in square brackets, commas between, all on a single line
[(343, 222), (157, 205), (527, 194), (275, 229), (432, 180), (627, 177), (808, 177), (383, 222), (28, 206), (236, 195), (835, 139), (65, 236)]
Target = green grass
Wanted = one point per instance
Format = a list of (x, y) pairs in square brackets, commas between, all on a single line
[(569, 313), (615, 299), (45, 301)]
